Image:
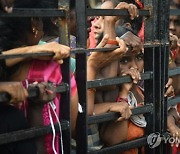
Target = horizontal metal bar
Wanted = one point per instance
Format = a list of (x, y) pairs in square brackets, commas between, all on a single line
[(116, 80), (113, 115), (63, 87), (121, 147), (82, 50), (33, 92), (175, 12), (155, 43), (34, 13), (77, 50), (25, 55), (174, 71), (173, 101), (114, 12), (30, 133), (51, 54)]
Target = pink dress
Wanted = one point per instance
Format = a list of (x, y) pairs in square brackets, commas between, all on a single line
[(44, 71)]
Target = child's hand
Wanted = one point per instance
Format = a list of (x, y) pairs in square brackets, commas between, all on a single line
[(123, 108), (134, 73), (132, 41), (174, 42), (170, 89), (132, 9), (98, 60)]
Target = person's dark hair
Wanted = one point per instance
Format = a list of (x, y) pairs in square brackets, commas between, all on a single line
[(3, 73), (173, 4), (49, 28), (13, 30), (136, 24)]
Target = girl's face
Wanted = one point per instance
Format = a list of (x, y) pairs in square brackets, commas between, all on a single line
[(135, 60)]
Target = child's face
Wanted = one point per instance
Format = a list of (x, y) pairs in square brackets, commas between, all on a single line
[(174, 24), (135, 60)]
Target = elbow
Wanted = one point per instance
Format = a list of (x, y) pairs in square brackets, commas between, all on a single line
[(90, 111)]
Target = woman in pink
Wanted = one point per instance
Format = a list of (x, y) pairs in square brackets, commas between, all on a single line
[(18, 33)]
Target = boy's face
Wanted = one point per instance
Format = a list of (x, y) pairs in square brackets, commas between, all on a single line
[(99, 23), (98, 26), (135, 60), (174, 24)]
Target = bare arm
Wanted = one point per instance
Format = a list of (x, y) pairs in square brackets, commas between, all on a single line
[(74, 113), (171, 123), (94, 64), (15, 89), (60, 51)]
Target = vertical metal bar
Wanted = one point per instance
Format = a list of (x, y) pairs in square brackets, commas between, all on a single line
[(82, 144), (157, 104), (165, 61), (65, 97), (149, 65), (149, 88), (163, 37)]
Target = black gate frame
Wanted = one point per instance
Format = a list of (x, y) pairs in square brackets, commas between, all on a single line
[(156, 13)]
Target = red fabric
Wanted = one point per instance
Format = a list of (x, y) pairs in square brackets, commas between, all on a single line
[(139, 3), (141, 32)]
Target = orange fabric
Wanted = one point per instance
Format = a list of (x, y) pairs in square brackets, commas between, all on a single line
[(178, 108), (133, 133)]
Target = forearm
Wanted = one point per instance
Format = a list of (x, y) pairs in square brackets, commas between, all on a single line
[(170, 121), (101, 108), (91, 75), (13, 61), (172, 118), (109, 28)]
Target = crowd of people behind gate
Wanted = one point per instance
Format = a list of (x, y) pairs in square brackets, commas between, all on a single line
[(31, 35)]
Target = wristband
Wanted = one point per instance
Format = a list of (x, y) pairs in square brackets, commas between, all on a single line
[(113, 42), (120, 99), (92, 90)]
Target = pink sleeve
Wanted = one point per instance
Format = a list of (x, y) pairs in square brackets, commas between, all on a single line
[(73, 86)]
